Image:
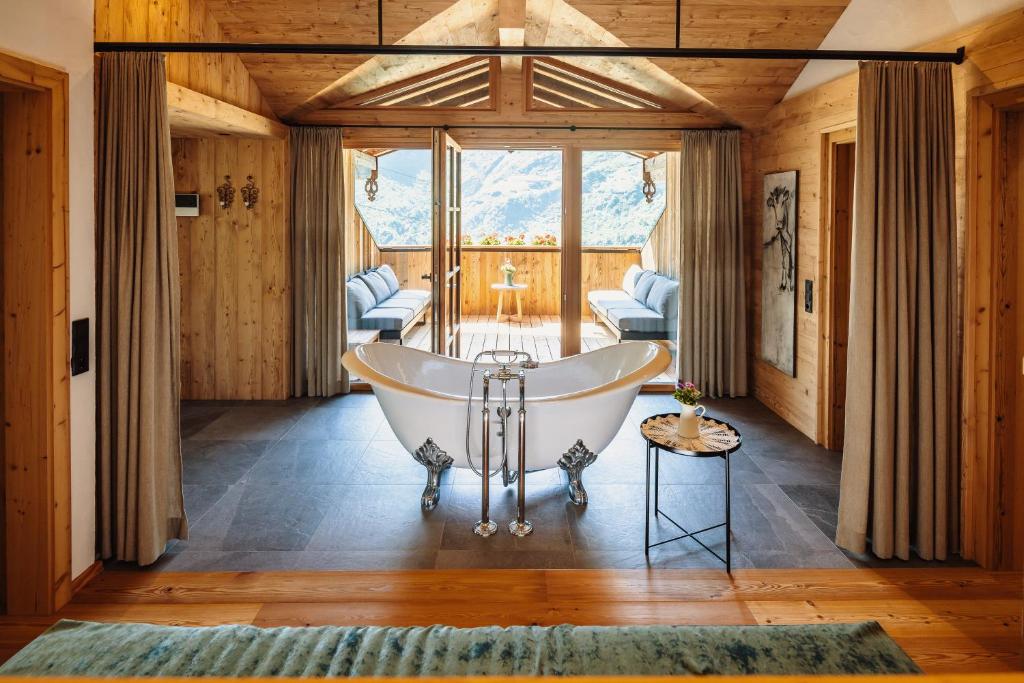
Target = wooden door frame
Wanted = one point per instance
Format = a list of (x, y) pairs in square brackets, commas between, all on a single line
[(981, 472), (36, 438), (825, 431)]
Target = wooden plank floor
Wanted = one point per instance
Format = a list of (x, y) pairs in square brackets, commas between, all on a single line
[(538, 335), (948, 620)]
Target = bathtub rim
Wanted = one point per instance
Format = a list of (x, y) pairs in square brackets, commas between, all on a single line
[(661, 360)]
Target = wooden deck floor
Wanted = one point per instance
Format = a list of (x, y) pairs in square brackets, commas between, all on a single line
[(949, 620), (538, 335)]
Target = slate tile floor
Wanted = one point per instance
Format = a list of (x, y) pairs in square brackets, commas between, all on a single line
[(323, 484)]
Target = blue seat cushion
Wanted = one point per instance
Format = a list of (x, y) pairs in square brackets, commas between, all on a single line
[(360, 298), (386, 319), (601, 298), (664, 295), (643, 285), (637, 320), (376, 284), (390, 279), (418, 294)]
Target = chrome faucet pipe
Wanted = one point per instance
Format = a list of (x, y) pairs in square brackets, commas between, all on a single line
[(485, 527), (520, 526)]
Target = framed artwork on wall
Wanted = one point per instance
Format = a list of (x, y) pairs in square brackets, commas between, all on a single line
[(778, 271)]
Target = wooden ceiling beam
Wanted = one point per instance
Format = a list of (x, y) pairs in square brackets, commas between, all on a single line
[(413, 93), (463, 98), (604, 87), (581, 98), (195, 115), (512, 31)]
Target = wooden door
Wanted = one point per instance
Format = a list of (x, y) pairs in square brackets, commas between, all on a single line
[(842, 232), (446, 272)]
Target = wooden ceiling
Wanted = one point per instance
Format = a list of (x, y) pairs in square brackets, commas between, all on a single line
[(316, 88)]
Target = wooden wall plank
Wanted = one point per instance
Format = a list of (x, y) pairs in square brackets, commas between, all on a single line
[(237, 296), (224, 77)]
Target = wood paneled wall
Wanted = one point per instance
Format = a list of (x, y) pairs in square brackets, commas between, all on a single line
[(221, 76), (235, 271), (791, 138)]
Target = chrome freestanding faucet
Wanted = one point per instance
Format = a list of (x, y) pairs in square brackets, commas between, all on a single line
[(507, 361)]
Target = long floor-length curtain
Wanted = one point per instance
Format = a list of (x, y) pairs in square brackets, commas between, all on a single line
[(318, 253), (138, 373), (900, 464), (712, 311)]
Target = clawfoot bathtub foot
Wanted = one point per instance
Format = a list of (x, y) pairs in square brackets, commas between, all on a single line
[(436, 461), (574, 461)]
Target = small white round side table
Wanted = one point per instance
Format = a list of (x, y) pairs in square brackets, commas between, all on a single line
[(518, 289)]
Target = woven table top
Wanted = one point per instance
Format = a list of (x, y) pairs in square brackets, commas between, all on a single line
[(716, 437)]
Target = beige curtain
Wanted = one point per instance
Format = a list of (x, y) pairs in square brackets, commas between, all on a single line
[(712, 313), (900, 464), (139, 459), (318, 258)]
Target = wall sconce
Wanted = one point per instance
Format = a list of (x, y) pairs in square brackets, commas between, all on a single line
[(371, 186), (649, 188), (250, 193), (226, 193)]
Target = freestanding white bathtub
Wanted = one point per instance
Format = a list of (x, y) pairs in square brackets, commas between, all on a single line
[(580, 400)]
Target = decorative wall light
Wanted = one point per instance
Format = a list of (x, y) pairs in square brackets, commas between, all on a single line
[(649, 188), (226, 193), (250, 193), (371, 186)]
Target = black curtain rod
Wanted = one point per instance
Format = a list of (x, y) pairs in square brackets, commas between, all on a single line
[(533, 51), (569, 128)]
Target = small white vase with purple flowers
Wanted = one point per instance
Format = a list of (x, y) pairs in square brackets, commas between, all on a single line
[(690, 412)]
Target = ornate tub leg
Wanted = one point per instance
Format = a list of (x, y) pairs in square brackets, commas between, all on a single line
[(574, 461), (436, 461)]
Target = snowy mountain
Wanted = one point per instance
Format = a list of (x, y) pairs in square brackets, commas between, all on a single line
[(512, 193)]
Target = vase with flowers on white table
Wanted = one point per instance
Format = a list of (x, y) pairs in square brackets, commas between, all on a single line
[(690, 411)]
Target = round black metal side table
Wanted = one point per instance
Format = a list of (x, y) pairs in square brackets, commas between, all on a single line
[(717, 440)]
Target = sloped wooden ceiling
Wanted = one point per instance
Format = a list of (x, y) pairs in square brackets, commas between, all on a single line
[(311, 87)]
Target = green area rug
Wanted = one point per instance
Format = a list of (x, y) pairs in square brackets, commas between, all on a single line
[(74, 648)]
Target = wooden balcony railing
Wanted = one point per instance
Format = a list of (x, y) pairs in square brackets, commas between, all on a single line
[(539, 267)]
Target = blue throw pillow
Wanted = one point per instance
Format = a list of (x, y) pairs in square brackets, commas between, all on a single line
[(643, 286), (630, 278), (663, 296), (360, 298), (377, 286), (390, 279)]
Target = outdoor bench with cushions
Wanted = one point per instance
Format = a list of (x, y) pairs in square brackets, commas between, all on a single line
[(375, 302), (647, 306)]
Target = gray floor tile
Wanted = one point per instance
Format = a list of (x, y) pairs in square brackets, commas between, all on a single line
[(387, 462), (280, 516), (195, 418), (200, 498), (612, 520), (819, 503), (381, 517), (323, 484), (798, 467), (256, 423), (313, 462), (218, 462), (337, 420), (545, 509)]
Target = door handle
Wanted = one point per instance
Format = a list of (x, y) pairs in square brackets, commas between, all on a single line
[(426, 276)]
